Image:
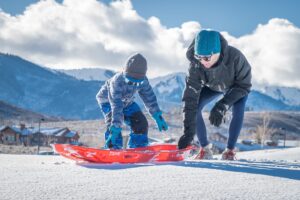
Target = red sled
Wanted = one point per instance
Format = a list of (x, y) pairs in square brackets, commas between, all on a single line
[(154, 153)]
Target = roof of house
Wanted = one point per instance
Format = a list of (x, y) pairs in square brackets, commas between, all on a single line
[(70, 134), (45, 131), (3, 127), (62, 132), (52, 131)]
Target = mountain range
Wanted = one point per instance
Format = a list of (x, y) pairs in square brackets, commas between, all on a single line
[(71, 93), (11, 112), (30, 86)]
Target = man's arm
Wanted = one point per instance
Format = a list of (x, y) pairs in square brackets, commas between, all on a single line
[(242, 84), (190, 100)]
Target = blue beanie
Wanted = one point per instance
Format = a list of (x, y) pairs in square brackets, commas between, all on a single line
[(207, 43)]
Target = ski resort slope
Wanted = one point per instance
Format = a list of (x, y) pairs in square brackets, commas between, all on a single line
[(268, 174)]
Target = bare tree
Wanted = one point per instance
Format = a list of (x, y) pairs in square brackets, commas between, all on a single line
[(264, 130)]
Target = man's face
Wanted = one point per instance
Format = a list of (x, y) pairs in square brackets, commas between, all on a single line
[(208, 61)]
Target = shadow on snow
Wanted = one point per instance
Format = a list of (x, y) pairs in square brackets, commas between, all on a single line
[(268, 168)]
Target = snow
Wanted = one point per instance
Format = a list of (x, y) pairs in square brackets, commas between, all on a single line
[(172, 85), (89, 74), (267, 174), (288, 95)]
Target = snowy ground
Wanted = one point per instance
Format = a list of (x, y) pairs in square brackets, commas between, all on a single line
[(269, 174)]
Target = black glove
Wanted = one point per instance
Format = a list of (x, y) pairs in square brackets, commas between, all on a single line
[(184, 141), (217, 113)]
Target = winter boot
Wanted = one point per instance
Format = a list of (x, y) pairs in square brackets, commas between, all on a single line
[(228, 154), (184, 141), (137, 140), (205, 153)]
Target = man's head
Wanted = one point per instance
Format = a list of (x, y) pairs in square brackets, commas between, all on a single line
[(207, 47), (136, 67)]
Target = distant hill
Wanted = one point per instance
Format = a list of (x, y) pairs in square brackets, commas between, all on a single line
[(54, 93), (10, 112), (169, 90), (46, 91)]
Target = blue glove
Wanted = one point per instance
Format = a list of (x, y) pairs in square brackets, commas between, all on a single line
[(161, 123), (114, 134)]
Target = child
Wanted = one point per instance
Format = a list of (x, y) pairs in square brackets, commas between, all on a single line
[(116, 100)]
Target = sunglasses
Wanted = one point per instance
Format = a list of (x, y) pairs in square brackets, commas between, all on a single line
[(129, 82), (205, 58)]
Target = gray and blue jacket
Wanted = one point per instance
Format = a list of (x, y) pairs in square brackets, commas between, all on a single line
[(119, 95)]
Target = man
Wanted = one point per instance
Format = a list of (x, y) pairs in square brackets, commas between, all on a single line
[(216, 69), (116, 100)]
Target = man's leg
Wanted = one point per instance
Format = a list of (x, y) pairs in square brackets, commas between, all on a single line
[(206, 96), (138, 124), (238, 110), (106, 110)]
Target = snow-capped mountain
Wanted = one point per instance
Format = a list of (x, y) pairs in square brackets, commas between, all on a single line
[(90, 74), (30, 86), (50, 92), (169, 89), (288, 95)]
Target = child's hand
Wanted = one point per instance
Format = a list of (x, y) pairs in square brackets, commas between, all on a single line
[(160, 121)]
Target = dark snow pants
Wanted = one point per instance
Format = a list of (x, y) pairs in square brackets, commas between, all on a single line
[(135, 119)]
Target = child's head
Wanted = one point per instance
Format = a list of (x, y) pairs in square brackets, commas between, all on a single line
[(136, 67)]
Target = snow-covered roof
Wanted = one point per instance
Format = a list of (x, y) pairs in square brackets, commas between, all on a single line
[(16, 129), (70, 134), (26, 132), (3, 127), (45, 131), (51, 131), (61, 132)]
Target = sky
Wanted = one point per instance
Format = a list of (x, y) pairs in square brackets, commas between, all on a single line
[(74, 34)]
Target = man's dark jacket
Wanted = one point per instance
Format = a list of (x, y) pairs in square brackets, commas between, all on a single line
[(230, 75)]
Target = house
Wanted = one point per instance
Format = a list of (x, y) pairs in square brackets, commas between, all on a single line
[(49, 136), (71, 137), (9, 135), (61, 136), (12, 135)]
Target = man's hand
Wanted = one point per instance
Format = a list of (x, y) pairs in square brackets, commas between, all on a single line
[(217, 113)]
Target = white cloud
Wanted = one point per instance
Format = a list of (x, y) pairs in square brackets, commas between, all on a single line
[(90, 33), (75, 34), (273, 51)]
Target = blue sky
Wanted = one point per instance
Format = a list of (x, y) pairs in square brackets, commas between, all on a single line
[(91, 33), (235, 16)]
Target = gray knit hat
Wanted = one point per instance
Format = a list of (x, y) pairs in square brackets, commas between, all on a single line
[(136, 66)]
